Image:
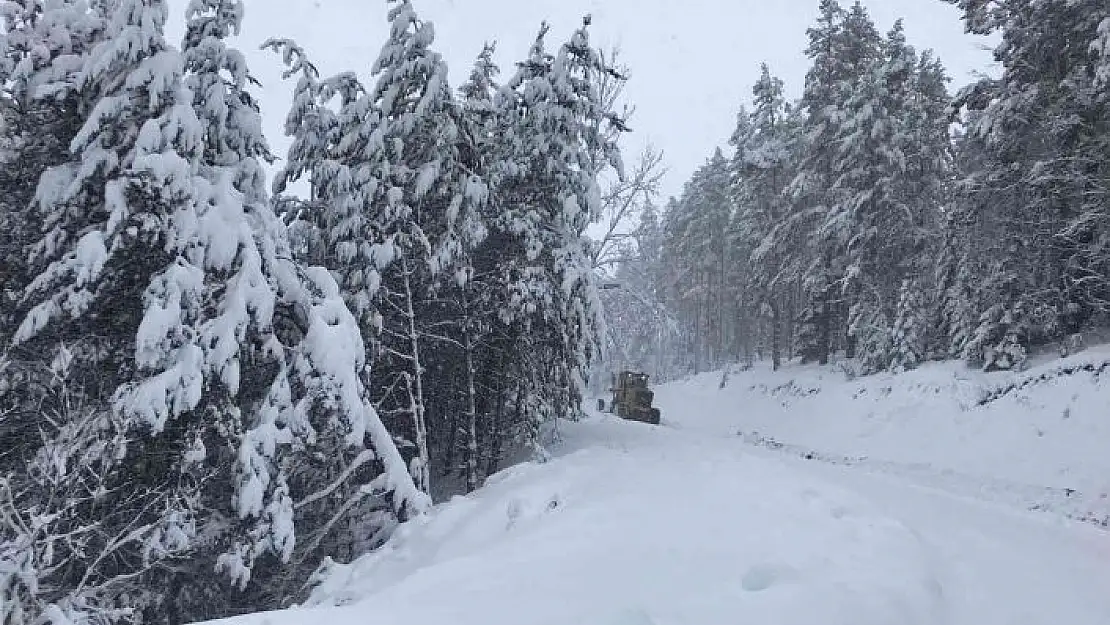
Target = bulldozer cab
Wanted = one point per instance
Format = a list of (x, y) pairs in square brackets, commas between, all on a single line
[(632, 398), (629, 379)]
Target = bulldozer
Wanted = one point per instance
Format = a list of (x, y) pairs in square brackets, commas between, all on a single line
[(632, 398)]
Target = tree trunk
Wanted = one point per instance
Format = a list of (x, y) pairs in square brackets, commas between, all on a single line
[(697, 335), (452, 443), (471, 401), (825, 320), (722, 335), (776, 337), (420, 428), (495, 422)]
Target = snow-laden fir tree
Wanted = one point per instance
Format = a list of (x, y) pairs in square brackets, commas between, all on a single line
[(350, 452), (909, 331), (762, 166), (955, 311), (459, 224), (42, 47), (396, 205), (40, 54), (472, 292), (87, 436), (1040, 196), (643, 333), (554, 128), (892, 159), (418, 192), (478, 91), (710, 249), (675, 270), (700, 270), (40, 112), (163, 277), (313, 126), (843, 45)]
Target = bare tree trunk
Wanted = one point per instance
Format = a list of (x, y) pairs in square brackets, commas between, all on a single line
[(471, 402), (420, 427), (776, 336), (697, 335), (722, 340), (825, 327), (452, 443), (792, 318), (495, 422)]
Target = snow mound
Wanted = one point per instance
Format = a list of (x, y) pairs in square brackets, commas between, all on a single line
[(1035, 439), (639, 525)]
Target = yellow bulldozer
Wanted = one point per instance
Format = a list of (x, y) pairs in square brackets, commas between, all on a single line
[(632, 398)]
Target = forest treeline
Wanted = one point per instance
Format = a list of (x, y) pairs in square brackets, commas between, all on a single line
[(880, 218), (209, 389)]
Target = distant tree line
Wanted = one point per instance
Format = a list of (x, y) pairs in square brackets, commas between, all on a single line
[(881, 219)]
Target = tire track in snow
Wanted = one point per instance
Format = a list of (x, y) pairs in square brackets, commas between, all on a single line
[(1062, 501), (998, 565)]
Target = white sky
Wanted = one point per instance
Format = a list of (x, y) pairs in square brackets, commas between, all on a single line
[(692, 62)]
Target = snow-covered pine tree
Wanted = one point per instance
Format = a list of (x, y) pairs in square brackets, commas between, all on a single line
[(714, 250), (554, 127), (698, 249), (669, 281), (478, 92), (642, 332), (696, 254), (873, 216), (41, 48), (843, 45), (956, 309), (473, 292), (313, 125), (762, 166), (344, 457), (72, 203), (162, 269), (427, 211), (983, 269), (909, 332), (809, 194), (1042, 193), (524, 311), (396, 205), (40, 112), (931, 171), (40, 54), (891, 174)]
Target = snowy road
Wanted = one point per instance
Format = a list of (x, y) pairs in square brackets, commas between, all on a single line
[(687, 525), (996, 566), (637, 525), (997, 562)]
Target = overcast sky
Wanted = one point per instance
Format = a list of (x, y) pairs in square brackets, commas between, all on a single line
[(692, 61)]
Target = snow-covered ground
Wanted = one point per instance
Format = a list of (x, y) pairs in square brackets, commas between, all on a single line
[(887, 501), (636, 525), (1033, 439)]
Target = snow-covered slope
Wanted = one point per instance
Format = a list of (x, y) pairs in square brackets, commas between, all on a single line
[(995, 565), (887, 501), (1037, 439), (637, 525)]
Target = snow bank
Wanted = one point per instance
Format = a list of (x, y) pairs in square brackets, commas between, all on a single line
[(639, 525), (1038, 438)]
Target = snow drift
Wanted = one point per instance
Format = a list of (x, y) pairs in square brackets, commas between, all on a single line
[(1036, 439), (634, 525)]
